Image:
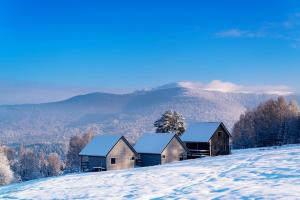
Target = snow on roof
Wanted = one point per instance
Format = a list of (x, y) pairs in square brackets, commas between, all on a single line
[(100, 145), (153, 142), (200, 131)]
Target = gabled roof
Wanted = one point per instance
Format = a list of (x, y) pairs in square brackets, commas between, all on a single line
[(153, 143), (100, 145), (201, 131)]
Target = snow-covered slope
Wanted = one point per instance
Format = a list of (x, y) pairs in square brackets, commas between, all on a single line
[(270, 173), (130, 114)]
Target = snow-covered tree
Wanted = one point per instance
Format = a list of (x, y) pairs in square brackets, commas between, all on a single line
[(43, 165), (76, 144), (170, 122), (6, 174), (274, 122), (54, 164), (28, 165)]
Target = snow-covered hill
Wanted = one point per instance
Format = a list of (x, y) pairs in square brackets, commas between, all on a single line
[(129, 114), (269, 173)]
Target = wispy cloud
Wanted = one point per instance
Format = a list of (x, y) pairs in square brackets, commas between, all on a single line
[(222, 86), (287, 29), (236, 33)]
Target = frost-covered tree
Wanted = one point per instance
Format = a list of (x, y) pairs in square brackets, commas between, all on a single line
[(170, 122), (76, 144), (274, 122), (28, 165), (54, 164), (43, 165), (6, 174)]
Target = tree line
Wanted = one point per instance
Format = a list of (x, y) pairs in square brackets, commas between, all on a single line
[(26, 164), (274, 122)]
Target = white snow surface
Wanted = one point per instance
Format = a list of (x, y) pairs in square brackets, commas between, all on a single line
[(153, 142), (100, 145), (200, 131), (266, 173)]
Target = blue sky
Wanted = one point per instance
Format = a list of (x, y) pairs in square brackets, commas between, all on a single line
[(126, 45)]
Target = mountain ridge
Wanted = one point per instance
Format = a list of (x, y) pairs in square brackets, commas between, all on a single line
[(130, 114)]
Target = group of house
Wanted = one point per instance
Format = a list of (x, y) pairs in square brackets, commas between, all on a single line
[(110, 152)]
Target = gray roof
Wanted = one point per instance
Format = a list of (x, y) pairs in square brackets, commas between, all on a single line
[(100, 145), (200, 131), (153, 143)]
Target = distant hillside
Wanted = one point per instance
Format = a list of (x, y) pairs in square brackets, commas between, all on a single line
[(129, 114)]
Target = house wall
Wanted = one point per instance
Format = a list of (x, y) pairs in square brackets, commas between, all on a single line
[(173, 151), (149, 159), (89, 162), (123, 155), (220, 145)]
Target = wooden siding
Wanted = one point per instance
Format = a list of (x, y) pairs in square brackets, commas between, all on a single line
[(173, 152), (123, 155), (219, 143), (146, 159)]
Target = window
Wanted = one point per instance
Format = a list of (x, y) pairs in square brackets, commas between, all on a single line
[(113, 161), (219, 133), (132, 158), (163, 156)]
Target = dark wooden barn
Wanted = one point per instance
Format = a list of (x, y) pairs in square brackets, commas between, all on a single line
[(159, 148), (207, 139), (107, 152)]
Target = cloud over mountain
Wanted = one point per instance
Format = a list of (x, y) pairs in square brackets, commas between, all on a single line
[(228, 87)]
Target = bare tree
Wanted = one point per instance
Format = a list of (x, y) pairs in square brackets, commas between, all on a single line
[(28, 164), (43, 165), (274, 122), (54, 164), (76, 144)]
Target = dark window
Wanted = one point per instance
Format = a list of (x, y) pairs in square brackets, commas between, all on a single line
[(219, 134), (85, 158), (113, 161), (191, 145), (197, 146), (132, 158), (163, 156)]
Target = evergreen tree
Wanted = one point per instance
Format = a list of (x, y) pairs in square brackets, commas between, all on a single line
[(170, 122)]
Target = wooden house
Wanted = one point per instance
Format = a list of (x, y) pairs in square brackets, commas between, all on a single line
[(107, 152), (207, 139), (159, 148)]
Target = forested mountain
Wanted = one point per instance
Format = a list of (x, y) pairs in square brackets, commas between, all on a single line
[(129, 114)]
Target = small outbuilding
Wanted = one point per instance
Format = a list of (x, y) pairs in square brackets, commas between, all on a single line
[(207, 139), (159, 148), (107, 152)]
